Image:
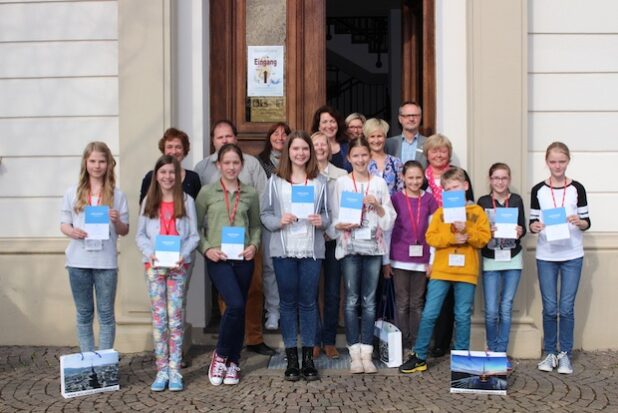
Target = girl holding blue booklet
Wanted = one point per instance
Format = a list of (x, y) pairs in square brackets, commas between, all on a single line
[(166, 227), (92, 263), (360, 246), (230, 230), (294, 210), (502, 256), (558, 261)]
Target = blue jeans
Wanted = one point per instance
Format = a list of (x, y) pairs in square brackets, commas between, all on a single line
[(297, 280), (232, 279), (549, 273), (499, 288), (326, 331), (360, 277), (103, 281), (436, 292)]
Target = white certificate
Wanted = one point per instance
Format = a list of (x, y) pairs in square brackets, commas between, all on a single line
[(233, 242), (96, 222), (506, 223), (454, 203), (167, 251), (556, 226), (351, 207), (302, 201)]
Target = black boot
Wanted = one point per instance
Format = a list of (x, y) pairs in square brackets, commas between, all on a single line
[(309, 371), (292, 372)]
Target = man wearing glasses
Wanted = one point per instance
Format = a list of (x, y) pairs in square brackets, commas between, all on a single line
[(409, 145)]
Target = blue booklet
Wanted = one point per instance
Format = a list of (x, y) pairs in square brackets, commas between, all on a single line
[(506, 223), (167, 250), (556, 225), (233, 242), (302, 201), (351, 207), (96, 222), (454, 206)]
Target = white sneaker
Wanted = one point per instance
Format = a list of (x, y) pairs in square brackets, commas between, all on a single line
[(564, 364), (272, 322), (548, 363), (232, 376)]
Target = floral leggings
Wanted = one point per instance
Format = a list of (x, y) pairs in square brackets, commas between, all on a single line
[(166, 289)]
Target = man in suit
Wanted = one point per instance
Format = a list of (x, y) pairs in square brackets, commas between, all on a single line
[(409, 145)]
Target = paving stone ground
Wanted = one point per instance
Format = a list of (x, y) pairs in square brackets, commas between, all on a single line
[(29, 382)]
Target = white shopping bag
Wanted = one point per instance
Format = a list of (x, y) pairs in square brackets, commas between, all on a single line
[(88, 373), (388, 337)]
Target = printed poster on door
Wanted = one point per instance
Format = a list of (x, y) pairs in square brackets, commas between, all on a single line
[(265, 71)]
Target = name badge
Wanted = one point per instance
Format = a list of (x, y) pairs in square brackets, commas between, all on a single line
[(93, 244), (456, 260), (363, 233), (415, 250), (502, 255)]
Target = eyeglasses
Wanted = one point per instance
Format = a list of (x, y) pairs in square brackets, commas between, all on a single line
[(355, 127), (410, 115), (499, 178)]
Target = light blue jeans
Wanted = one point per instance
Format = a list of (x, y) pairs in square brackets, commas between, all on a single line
[(436, 292), (360, 277), (499, 289), (103, 282), (568, 274)]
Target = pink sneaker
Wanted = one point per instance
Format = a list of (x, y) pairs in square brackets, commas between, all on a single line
[(217, 369), (232, 376)]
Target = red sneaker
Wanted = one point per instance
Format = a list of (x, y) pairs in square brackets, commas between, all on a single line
[(217, 369)]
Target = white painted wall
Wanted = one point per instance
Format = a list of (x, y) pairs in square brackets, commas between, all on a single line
[(191, 105), (573, 78), (452, 75), (59, 88)]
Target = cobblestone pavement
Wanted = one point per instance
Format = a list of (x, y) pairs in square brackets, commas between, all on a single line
[(29, 382)]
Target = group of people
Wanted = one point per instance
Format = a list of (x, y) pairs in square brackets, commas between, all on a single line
[(344, 203)]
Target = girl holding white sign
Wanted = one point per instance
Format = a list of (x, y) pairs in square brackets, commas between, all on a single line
[(294, 210), (92, 263), (502, 256), (360, 247), (558, 202), (166, 236), (229, 216)]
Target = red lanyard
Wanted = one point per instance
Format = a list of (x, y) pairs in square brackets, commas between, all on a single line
[(356, 189), (551, 189), (167, 222), (90, 199), (493, 201), (416, 224), (294, 183), (231, 215)]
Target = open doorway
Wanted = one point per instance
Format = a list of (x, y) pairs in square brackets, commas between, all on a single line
[(379, 54), (363, 57)]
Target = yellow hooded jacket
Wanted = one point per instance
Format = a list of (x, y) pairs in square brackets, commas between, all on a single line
[(442, 238)]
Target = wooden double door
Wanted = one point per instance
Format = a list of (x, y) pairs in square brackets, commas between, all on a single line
[(304, 44)]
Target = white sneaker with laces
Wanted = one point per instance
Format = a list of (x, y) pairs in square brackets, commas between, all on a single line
[(548, 363), (564, 364), (272, 322), (232, 376)]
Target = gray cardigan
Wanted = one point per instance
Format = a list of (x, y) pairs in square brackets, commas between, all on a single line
[(270, 214), (149, 228)]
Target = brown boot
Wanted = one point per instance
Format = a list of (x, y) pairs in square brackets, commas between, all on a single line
[(316, 352)]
